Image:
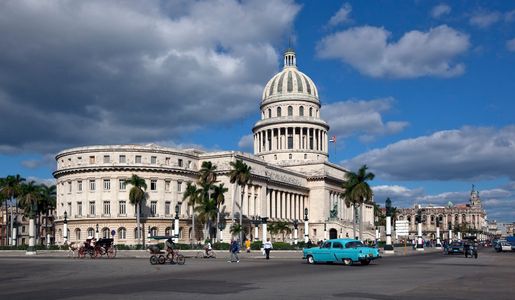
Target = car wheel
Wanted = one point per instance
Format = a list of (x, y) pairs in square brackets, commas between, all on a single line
[(310, 260), (347, 261)]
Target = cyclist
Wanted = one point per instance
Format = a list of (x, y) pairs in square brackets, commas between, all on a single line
[(208, 248), (170, 245)]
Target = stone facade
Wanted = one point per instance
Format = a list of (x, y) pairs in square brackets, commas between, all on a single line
[(290, 172)]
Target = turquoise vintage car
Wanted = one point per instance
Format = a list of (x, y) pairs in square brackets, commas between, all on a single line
[(346, 251)]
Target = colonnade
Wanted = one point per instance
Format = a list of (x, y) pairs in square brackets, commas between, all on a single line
[(302, 138), (285, 205)]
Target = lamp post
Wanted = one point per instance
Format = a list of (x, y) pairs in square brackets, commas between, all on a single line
[(31, 250), (221, 228), (295, 232), (149, 233), (306, 230), (418, 218), (96, 233), (176, 224), (438, 243), (256, 221), (263, 222), (388, 247), (449, 227), (65, 228), (325, 230)]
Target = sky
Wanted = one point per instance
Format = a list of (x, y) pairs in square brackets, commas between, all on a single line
[(422, 92)]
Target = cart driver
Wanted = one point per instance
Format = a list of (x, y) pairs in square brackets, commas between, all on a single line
[(170, 245)]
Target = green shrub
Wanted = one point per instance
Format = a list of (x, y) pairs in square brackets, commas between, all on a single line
[(221, 246), (256, 245)]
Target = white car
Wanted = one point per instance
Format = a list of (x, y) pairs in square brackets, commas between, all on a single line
[(503, 245)]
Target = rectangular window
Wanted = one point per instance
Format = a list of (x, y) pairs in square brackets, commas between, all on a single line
[(138, 159), (190, 164), (122, 159), (107, 184), (92, 208), (91, 159), (107, 208), (167, 208), (107, 159), (123, 184), (153, 208), (69, 208), (153, 185), (167, 185), (167, 161), (179, 162), (79, 185), (79, 208), (290, 141), (92, 185), (153, 160), (69, 186), (123, 208), (79, 160), (179, 186)]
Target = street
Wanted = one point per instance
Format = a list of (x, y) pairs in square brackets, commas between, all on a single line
[(426, 276)]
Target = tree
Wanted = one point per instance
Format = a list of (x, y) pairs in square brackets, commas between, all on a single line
[(240, 176), (219, 198), (3, 199), (48, 201), (357, 192), (137, 196), (30, 196), (12, 188), (282, 227), (207, 173), (192, 196), (206, 208)]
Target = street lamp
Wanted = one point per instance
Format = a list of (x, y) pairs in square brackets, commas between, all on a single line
[(325, 230), (65, 227), (438, 243), (388, 247), (418, 218), (306, 230), (449, 227), (221, 227), (256, 221), (263, 222), (295, 231), (96, 233), (176, 224)]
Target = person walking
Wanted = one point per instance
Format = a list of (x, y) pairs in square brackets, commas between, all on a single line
[(268, 246), (247, 245), (234, 249)]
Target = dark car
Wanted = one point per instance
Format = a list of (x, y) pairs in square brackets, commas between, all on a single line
[(455, 248)]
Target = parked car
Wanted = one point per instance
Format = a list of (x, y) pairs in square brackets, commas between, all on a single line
[(346, 251), (455, 248), (503, 245)]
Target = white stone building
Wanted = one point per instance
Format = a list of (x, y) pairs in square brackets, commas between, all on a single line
[(290, 172)]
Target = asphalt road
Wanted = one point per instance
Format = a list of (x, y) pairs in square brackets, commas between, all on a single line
[(427, 276)]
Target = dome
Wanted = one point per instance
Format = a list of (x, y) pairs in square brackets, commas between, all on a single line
[(290, 82)]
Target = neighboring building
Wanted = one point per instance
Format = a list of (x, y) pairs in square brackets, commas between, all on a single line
[(470, 215), (510, 229), (493, 229), (290, 172), (20, 222)]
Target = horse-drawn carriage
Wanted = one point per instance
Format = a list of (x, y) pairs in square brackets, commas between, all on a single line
[(98, 249), (158, 256)]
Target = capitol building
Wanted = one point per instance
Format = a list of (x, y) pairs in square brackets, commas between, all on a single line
[(290, 172)]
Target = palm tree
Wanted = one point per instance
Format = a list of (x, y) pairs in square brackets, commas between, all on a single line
[(207, 209), (12, 188), (282, 227), (240, 176), (273, 229), (3, 199), (219, 198), (357, 192), (30, 196), (48, 197), (192, 196), (207, 173), (137, 196)]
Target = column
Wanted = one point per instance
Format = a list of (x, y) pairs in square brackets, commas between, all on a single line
[(388, 248)]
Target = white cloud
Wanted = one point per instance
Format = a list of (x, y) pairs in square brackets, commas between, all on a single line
[(45, 181), (361, 117), (440, 10), (246, 143), (484, 19), (469, 153), (415, 54), (98, 72), (510, 44), (342, 15)]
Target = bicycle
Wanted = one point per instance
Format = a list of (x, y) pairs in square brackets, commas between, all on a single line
[(202, 254)]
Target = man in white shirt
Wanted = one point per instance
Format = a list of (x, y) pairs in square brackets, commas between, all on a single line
[(267, 246)]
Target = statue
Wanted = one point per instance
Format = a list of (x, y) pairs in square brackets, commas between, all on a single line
[(333, 213), (388, 205)]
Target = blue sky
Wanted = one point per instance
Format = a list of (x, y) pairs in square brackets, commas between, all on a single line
[(421, 91)]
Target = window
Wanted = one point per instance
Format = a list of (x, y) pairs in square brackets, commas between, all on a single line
[(168, 231), (190, 164), (301, 111), (167, 161), (278, 111), (153, 185), (79, 185), (122, 233), (122, 159), (179, 162), (153, 208), (136, 233), (269, 113), (107, 184), (77, 234), (122, 208), (79, 160), (305, 156), (122, 184), (354, 244), (153, 160), (107, 208), (167, 185), (137, 159), (106, 233), (70, 208), (290, 111), (311, 111), (79, 208), (91, 232), (290, 141), (153, 231), (69, 186), (326, 245), (107, 159), (337, 245), (92, 185), (290, 156), (167, 208), (179, 186), (92, 208), (91, 159)]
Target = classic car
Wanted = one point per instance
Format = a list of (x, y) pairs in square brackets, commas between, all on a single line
[(455, 248), (503, 245), (346, 251)]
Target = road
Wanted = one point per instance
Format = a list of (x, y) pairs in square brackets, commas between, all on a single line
[(427, 276)]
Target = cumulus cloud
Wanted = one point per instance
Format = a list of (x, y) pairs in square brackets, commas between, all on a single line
[(415, 54), (97, 72), (469, 153), (45, 181), (484, 19), (246, 143), (342, 15), (510, 44), (363, 118), (440, 10)]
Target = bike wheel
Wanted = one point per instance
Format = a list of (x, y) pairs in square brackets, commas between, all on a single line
[(180, 259), (154, 260), (161, 259), (212, 254)]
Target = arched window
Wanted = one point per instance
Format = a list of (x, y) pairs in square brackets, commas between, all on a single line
[(290, 111), (278, 111), (153, 231), (91, 232), (122, 233), (269, 113), (60, 233), (301, 111), (168, 231), (77, 234), (262, 115), (311, 111), (136, 233), (106, 233)]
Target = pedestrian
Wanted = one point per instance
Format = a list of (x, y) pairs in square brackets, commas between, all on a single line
[(310, 243), (234, 249), (268, 246), (247, 245)]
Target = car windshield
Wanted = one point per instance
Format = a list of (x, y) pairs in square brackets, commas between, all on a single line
[(354, 244)]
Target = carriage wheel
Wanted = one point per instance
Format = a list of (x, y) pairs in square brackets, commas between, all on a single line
[(81, 253), (180, 259), (161, 259), (154, 260), (111, 252)]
